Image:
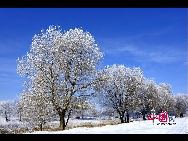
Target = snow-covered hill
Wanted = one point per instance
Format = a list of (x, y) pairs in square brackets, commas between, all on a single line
[(136, 127)]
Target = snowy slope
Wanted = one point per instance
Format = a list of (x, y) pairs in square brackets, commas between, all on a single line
[(136, 127)]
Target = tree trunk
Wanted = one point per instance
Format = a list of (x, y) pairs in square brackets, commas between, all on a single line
[(62, 120), (6, 117), (20, 118), (127, 117), (121, 114), (68, 117), (121, 118), (181, 115), (41, 127), (144, 114)]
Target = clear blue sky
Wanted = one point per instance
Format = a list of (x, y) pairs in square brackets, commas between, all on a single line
[(153, 39)]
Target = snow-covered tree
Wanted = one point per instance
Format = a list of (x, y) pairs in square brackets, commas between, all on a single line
[(7, 109), (148, 96), (166, 99), (121, 88), (181, 104), (66, 64), (35, 109)]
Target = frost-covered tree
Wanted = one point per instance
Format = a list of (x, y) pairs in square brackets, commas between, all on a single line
[(121, 88), (166, 99), (7, 109), (148, 96), (66, 64), (35, 109), (181, 104)]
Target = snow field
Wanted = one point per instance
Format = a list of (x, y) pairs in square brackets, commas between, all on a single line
[(136, 127)]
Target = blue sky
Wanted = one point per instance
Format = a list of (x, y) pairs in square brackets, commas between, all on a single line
[(151, 38)]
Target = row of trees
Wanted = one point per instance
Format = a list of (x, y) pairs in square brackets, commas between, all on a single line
[(61, 71), (33, 111), (127, 90)]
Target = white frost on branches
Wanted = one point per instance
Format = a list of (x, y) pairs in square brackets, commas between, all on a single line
[(61, 65), (121, 87)]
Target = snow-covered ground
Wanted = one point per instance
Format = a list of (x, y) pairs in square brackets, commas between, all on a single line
[(136, 127)]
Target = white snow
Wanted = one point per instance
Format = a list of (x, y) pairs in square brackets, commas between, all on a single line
[(136, 127)]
